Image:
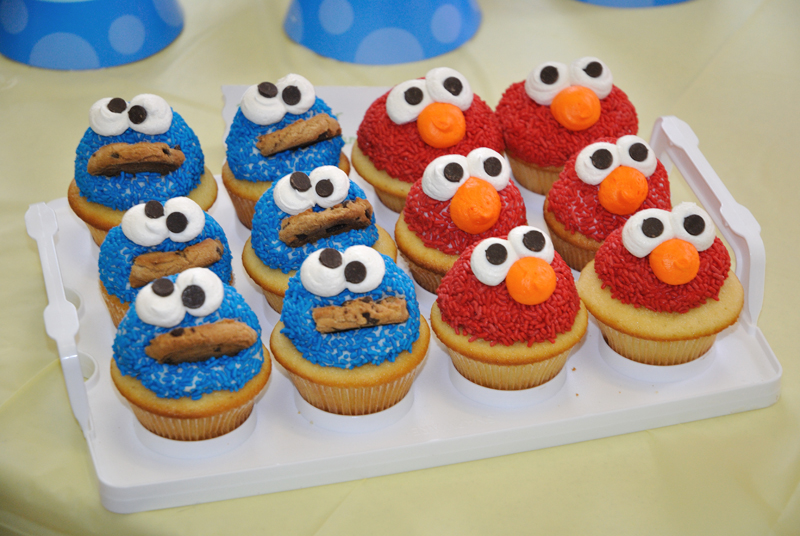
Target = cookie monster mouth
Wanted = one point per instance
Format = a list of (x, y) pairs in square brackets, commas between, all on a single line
[(309, 226), (301, 133), (142, 157), (201, 342), (360, 313), (156, 264)]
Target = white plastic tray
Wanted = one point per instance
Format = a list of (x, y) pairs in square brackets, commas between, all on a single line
[(286, 445)]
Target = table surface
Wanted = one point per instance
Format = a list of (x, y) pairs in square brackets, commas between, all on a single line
[(729, 68)]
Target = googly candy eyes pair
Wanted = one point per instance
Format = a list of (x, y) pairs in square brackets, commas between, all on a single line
[(327, 272), (522, 261), (267, 103), (197, 291), (407, 99), (671, 239), (148, 224), (147, 114), (326, 186)]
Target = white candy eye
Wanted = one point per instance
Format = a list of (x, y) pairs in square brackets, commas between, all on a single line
[(159, 304), (444, 175), (645, 230), (293, 193), (329, 185), (529, 241), (149, 114), (297, 93), (108, 117), (261, 105), (693, 224), (592, 73), (489, 165), (406, 101), (201, 291), (145, 224), (491, 259), (545, 82), (596, 161), (448, 85), (364, 269), (322, 274), (185, 219), (634, 152)]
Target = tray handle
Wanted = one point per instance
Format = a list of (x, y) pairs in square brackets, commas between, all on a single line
[(60, 316), (674, 142)]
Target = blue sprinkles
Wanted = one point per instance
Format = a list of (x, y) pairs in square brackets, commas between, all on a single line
[(349, 349), (247, 163), (225, 373), (276, 254), (126, 190), (118, 253)]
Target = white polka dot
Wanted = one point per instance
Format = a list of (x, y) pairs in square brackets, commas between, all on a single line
[(13, 16), (126, 34), (293, 23), (336, 16), (64, 51), (446, 23), (388, 46), (170, 12)]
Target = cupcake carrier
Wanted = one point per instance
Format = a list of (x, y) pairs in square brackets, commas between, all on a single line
[(287, 444)]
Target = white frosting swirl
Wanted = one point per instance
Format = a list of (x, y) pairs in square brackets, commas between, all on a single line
[(209, 282), (700, 241), (517, 239), (477, 162), (489, 273), (159, 114), (194, 214), (399, 110), (142, 229), (600, 85), (541, 92), (436, 81), (292, 201), (323, 281), (636, 241), (105, 122), (170, 310), (307, 94), (261, 110), (435, 185)]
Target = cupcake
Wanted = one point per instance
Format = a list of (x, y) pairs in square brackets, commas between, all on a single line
[(155, 240), (555, 112), (279, 128), (134, 152), (351, 335), (661, 288), (188, 357), (508, 312), (415, 122), (301, 213), (460, 201), (600, 188)]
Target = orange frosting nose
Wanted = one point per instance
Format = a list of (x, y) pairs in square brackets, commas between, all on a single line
[(441, 125), (623, 191), (675, 262), (576, 108), (476, 206), (530, 281)]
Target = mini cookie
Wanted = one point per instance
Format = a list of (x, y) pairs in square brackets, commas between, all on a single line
[(661, 287), (134, 152), (279, 128), (600, 188), (459, 201), (155, 240), (188, 357), (416, 122), (555, 112), (303, 212), (351, 334)]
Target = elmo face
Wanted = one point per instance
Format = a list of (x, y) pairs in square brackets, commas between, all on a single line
[(420, 120)]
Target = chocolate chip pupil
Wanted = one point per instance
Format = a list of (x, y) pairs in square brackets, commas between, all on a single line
[(330, 258), (534, 241), (652, 227), (162, 287), (453, 172), (355, 272), (137, 114), (117, 105), (153, 210), (453, 85), (324, 188), (177, 222), (193, 297), (549, 75), (291, 95), (413, 95), (267, 89), (492, 166), (496, 254), (602, 159), (638, 152), (594, 69), (694, 224), (300, 181)]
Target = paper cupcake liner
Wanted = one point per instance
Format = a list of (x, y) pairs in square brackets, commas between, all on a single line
[(274, 300), (194, 429), (245, 208), (427, 279), (116, 308), (576, 257), (536, 179), (656, 352), (508, 377), (98, 235), (393, 202)]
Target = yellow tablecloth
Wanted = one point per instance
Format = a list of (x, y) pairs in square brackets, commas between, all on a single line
[(729, 68)]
